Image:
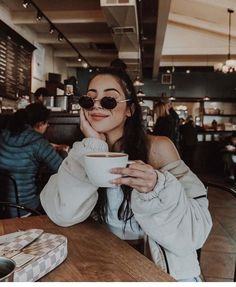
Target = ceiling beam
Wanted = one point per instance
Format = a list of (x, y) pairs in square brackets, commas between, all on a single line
[(218, 3), (162, 20), (95, 63), (199, 24), (76, 38), (59, 17), (68, 53)]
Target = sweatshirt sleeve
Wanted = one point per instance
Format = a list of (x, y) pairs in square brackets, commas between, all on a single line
[(69, 197), (175, 214)]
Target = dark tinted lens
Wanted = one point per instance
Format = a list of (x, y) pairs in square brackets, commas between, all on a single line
[(108, 103), (86, 102)]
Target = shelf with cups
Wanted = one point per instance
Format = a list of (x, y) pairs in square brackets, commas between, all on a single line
[(218, 115)]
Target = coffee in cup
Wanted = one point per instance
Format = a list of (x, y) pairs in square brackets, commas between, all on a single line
[(98, 166), (7, 267)]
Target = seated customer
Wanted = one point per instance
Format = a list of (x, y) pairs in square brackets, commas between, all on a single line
[(23, 149), (164, 122), (40, 94), (229, 157), (188, 141)]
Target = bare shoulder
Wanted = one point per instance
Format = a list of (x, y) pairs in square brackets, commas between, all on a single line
[(162, 151)]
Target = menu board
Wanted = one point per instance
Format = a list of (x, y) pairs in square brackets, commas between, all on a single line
[(15, 63)]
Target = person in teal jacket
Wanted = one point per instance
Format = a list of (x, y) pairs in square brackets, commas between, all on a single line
[(23, 150)]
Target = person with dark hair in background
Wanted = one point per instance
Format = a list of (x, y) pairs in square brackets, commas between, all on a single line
[(175, 117), (40, 94), (156, 197), (188, 141), (23, 149), (118, 64), (229, 158)]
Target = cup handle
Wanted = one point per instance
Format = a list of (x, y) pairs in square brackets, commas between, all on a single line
[(130, 162)]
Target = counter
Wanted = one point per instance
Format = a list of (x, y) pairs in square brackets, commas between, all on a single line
[(63, 128)]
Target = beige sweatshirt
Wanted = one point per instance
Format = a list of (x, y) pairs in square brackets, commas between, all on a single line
[(174, 216)]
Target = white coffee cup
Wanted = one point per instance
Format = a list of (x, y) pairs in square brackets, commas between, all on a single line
[(98, 167)]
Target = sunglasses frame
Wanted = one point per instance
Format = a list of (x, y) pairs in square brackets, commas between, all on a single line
[(101, 101)]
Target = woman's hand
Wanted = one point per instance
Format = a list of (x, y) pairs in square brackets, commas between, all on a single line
[(87, 129), (138, 175)]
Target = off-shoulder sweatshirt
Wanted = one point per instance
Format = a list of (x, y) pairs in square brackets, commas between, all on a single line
[(174, 215)]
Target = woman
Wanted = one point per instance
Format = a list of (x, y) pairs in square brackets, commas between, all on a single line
[(23, 149), (164, 122), (159, 199)]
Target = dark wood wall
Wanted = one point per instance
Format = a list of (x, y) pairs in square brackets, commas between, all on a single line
[(199, 83)]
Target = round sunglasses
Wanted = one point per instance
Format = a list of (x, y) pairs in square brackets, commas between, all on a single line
[(108, 103)]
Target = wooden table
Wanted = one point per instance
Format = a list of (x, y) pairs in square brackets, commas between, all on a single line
[(94, 254)]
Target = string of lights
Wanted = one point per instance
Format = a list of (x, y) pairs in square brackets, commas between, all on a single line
[(52, 29)]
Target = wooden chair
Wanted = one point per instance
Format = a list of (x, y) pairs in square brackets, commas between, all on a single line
[(8, 189), (5, 206)]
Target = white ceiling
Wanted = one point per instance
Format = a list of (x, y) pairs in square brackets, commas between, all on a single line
[(179, 32), (197, 32)]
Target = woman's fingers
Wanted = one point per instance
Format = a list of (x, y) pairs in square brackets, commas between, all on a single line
[(133, 169), (138, 175)]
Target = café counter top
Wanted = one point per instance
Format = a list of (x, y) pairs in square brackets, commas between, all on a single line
[(63, 128), (94, 254)]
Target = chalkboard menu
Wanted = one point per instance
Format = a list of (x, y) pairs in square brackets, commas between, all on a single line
[(15, 63)]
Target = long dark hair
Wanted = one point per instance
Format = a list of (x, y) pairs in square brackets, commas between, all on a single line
[(133, 142), (30, 116)]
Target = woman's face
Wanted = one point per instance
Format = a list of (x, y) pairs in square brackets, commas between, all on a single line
[(103, 120)]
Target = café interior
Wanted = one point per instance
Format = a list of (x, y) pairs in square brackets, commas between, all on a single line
[(173, 49)]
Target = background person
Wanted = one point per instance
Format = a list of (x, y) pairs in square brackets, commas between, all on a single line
[(40, 94), (176, 119), (150, 200), (23, 149), (164, 122), (229, 157), (188, 141)]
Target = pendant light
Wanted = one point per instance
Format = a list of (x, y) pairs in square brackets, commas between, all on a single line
[(230, 65), (140, 93), (137, 82)]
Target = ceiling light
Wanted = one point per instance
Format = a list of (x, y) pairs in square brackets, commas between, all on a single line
[(141, 102), (60, 37), (26, 4), (206, 98), (188, 71), (172, 98), (172, 87), (137, 82), (39, 16), (85, 65), (51, 30), (230, 65), (140, 93)]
